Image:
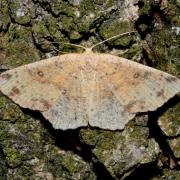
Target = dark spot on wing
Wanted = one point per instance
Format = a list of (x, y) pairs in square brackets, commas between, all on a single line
[(130, 105), (64, 91), (14, 91), (40, 73), (160, 93), (6, 76), (45, 103), (136, 75), (80, 68), (75, 77)]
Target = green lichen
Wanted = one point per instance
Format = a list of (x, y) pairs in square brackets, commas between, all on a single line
[(175, 146), (57, 7), (163, 42), (4, 15), (12, 157), (134, 53), (10, 112), (111, 28), (88, 6), (52, 24), (66, 164), (86, 136), (165, 51), (170, 121), (120, 152), (145, 7), (19, 48), (168, 174), (29, 145), (30, 149), (40, 30), (61, 7), (20, 13)]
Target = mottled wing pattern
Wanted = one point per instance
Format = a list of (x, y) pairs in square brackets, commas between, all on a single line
[(137, 88), (104, 109), (100, 89), (51, 86), (86, 99)]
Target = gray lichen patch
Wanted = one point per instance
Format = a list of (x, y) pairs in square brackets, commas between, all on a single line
[(4, 15), (167, 174), (18, 47), (68, 165), (175, 146), (162, 43), (111, 27), (30, 150), (169, 122), (165, 50), (21, 11), (121, 152)]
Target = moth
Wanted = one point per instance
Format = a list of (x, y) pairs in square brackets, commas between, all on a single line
[(101, 90)]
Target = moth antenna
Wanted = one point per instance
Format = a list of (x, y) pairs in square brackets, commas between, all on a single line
[(60, 51), (70, 44), (113, 37)]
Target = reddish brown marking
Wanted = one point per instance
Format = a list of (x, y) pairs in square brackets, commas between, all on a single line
[(6, 76), (130, 105), (161, 93), (136, 75), (14, 91), (45, 103)]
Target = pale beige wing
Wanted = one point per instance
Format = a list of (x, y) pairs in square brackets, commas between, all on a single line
[(73, 89), (51, 86), (137, 88), (103, 108)]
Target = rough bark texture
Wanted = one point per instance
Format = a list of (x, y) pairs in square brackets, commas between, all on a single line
[(148, 148)]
